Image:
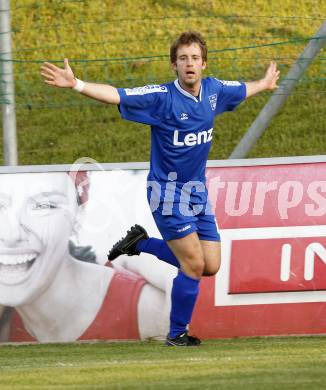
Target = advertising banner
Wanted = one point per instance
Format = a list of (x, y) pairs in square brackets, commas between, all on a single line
[(57, 228), (273, 273)]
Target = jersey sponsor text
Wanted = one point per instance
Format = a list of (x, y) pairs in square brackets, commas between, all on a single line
[(191, 139)]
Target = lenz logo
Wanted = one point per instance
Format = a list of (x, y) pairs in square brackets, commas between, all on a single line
[(191, 139)]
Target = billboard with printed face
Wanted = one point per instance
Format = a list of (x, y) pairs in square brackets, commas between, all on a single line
[(57, 227)]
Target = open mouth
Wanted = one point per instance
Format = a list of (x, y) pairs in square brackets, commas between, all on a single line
[(190, 73), (14, 268)]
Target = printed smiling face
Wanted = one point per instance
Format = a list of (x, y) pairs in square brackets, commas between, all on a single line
[(189, 65), (37, 213)]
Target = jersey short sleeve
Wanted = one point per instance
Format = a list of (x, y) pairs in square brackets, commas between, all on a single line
[(231, 94), (142, 104)]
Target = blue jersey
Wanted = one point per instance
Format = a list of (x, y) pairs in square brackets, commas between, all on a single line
[(181, 124)]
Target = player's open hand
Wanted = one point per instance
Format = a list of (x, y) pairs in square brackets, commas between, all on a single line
[(58, 77), (271, 76)]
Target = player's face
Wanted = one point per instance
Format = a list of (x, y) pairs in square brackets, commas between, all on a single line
[(189, 65), (37, 213)]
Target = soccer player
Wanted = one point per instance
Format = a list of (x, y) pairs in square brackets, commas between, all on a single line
[(181, 115)]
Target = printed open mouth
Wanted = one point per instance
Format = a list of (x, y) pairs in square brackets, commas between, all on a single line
[(14, 267)]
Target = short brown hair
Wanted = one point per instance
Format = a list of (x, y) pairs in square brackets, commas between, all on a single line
[(187, 38)]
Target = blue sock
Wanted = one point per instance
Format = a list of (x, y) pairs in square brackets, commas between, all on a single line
[(158, 248), (184, 294)]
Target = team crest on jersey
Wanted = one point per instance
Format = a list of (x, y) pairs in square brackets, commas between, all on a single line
[(213, 100), (184, 116)]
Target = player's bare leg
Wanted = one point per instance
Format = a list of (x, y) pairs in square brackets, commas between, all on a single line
[(188, 250), (212, 256), (197, 257)]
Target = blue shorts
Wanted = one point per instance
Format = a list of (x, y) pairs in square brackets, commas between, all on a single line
[(176, 220)]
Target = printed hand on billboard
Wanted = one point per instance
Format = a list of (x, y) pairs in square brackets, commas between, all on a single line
[(159, 278)]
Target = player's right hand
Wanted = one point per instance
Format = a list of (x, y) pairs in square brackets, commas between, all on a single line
[(58, 77)]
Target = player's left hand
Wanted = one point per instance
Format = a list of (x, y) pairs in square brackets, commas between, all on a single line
[(58, 77), (271, 76)]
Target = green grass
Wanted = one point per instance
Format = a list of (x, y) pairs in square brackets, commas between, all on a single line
[(56, 126), (253, 363)]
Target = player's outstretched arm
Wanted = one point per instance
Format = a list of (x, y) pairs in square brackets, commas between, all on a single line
[(64, 78), (268, 82)]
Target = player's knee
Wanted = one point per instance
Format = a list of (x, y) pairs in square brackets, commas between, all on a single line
[(195, 265), (198, 268), (211, 269), (212, 265)]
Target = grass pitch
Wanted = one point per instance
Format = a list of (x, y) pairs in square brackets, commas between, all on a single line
[(255, 363), (113, 42)]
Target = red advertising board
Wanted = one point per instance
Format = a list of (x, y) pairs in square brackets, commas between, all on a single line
[(273, 274)]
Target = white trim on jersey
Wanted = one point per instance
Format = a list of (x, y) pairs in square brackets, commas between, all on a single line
[(229, 83), (145, 90), (189, 95)]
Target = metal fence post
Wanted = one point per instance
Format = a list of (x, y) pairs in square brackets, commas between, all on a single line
[(7, 87), (280, 95)]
